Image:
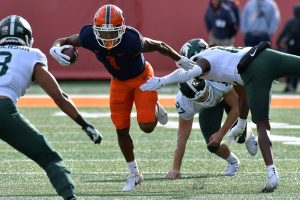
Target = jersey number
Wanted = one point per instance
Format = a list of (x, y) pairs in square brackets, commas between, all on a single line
[(112, 62), (4, 62), (180, 110)]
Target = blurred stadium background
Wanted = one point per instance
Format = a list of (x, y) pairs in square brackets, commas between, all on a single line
[(172, 21)]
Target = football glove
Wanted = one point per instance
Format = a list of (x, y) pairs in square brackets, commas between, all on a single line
[(93, 134), (56, 53), (154, 83), (185, 63), (234, 134)]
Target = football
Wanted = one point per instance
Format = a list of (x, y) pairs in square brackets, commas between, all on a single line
[(72, 53)]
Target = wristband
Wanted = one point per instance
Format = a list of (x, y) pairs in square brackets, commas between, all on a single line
[(79, 120)]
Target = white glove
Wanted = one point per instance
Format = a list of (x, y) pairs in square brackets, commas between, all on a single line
[(234, 134), (185, 63), (56, 53), (93, 134), (153, 84), (237, 131)]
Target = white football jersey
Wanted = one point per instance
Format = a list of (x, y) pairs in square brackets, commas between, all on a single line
[(223, 63), (187, 108), (16, 69)]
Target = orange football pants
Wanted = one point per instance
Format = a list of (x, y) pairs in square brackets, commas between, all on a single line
[(124, 93)]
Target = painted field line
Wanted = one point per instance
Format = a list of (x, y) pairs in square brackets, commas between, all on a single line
[(167, 101)]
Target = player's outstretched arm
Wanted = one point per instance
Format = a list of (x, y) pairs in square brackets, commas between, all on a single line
[(49, 84), (151, 45), (184, 132)]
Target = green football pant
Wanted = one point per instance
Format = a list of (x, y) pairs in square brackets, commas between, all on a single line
[(268, 66), (24, 137)]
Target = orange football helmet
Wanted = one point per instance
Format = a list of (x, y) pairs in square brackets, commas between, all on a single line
[(109, 26)]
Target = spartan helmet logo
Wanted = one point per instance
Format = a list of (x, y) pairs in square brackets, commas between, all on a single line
[(193, 47)]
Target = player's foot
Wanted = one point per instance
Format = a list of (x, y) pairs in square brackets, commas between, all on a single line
[(251, 144), (132, 181), (232, 168), (161, 114), (272, 183)]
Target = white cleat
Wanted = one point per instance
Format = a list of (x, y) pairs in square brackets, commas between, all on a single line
[(161, 114), (272, 183), (232, 168), (251, 144), (132, 181)]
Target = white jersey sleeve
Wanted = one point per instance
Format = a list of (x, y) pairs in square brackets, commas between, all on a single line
[(223, 63), (16, 69), (184, 107)]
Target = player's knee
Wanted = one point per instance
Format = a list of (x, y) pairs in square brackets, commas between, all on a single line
[(213, 149), (147, 127)]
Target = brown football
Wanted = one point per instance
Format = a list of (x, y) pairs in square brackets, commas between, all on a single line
[(72, 53)]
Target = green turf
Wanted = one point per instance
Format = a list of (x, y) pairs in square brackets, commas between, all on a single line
[(102, 87), (100, 171)]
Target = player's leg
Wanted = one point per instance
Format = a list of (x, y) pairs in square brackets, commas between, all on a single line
[(149, 110), (21, 135), (210, 122), (121, 102), (258, 96)]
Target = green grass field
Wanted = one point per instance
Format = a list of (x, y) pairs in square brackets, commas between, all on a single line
[(100, 171)]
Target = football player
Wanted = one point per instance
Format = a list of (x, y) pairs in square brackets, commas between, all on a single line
[(20, 64), (120, 49), (252, 70), (209, 99)]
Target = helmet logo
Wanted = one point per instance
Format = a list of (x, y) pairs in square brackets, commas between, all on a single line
[(4, 30)]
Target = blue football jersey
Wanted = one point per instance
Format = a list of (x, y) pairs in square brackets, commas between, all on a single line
[(124, 61)]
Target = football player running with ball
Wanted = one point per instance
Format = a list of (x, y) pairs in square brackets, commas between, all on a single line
[(209, 99), (120, 49), (20, 64), (252, 71)]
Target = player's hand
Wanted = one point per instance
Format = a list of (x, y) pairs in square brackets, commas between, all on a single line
[(56, 53), (185, 63), (234, 134), (215, 139), (93, 134), (173, 174), (152, 84)]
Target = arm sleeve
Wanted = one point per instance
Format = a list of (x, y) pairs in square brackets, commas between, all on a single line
[(180, 75)]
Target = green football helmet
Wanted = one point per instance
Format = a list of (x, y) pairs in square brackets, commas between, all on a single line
[(15, 30), (193, 47), (193, 88), (197, 90)]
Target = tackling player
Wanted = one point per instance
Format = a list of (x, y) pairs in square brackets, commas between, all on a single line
[(252, 70), (20, 64), (120, 49), (209, 99)]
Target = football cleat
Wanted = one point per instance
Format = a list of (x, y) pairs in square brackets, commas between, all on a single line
[(161, 114), (272, 183), (251, 144), (132, 181), (232, 168)]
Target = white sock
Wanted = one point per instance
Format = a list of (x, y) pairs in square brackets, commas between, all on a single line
[(133, 167), (271, 170), (231, 158)]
